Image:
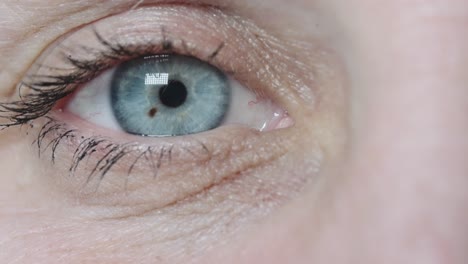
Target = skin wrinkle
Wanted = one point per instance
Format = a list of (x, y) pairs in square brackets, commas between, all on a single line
[(188, 197), (205, 225), (31, 12), (59, 247), (33, 25), (137, 4), (31, 28)]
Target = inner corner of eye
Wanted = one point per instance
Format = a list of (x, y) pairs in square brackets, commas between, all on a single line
[(172, 95)]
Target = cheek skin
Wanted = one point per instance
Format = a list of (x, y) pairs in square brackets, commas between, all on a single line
[(216, 216), (399, 195)]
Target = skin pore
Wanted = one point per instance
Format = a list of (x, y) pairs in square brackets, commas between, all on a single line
[(374, 169)]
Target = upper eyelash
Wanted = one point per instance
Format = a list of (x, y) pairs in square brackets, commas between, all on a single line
[(47, 90)]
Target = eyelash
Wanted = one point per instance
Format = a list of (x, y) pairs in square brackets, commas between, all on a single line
[(113, 152), (49, 89)]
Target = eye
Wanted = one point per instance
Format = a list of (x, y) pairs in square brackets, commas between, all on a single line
[(173, 105), (170, 95), (160, 128)]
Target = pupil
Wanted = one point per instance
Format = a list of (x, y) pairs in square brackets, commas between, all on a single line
[(173, 94)]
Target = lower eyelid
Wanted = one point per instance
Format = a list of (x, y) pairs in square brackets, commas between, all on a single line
[(176, 169)]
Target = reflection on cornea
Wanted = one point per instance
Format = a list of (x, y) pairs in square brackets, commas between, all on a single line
[(157, 79)]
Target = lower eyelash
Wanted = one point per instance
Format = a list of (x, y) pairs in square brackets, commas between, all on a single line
[(107, 153)]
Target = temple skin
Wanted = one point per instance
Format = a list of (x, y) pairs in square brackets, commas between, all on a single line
[(395, 193)]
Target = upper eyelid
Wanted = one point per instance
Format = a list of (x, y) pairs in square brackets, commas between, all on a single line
[(58, 22), (26, 107), (263, 54)]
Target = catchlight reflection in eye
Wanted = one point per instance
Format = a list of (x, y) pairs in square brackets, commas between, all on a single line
[(171, 95)]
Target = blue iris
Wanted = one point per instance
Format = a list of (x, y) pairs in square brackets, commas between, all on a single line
[(169, 95)]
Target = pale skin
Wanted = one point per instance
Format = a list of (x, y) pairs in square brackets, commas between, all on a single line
[(375, 170)]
